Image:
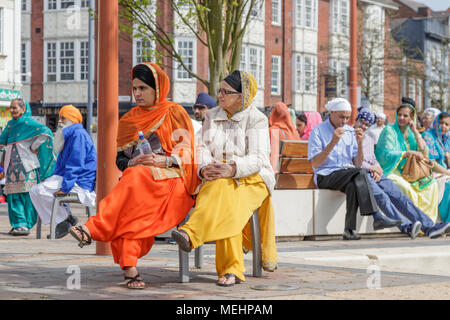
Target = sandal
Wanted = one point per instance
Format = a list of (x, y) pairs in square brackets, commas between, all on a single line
[(183, 242), (228, 276), (20, 231), (82, 240), (134, 280)]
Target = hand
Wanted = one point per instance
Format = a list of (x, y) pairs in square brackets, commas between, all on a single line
[(337, 134), (376, 173), (359, 133), (413, 127), (417, 154), (59, 193), (217, 169)]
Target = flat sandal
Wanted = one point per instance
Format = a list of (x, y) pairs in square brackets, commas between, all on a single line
[(82, 241)]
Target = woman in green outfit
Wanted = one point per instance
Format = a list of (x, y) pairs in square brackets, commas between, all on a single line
[(28, 160)]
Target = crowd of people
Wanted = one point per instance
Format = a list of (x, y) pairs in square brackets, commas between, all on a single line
[(214, 171)]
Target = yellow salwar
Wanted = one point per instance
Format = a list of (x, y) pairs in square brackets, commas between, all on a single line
[(222, 212), (425, 199)]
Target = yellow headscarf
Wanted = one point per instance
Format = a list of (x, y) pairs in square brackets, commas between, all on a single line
[(249, 89)]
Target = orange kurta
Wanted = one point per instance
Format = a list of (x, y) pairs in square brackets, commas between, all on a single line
[(149, 201)]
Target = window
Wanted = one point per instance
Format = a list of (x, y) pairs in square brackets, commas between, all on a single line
[(276, 12), (142, 50), (419, 94), (257, 10), (51, 4), (25, 61), (306, 13), (26, 5), (67, 60), (252, 58), (340, 17), (305, 73), (51, 61), (67, 4), (84, 4), (84, 60), (412, 88), (276, 75), (185, 48), (339, 69)]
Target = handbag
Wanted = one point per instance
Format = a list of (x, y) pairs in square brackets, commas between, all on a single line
[(416, 169)]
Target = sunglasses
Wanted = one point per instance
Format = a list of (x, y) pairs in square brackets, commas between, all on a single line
[(225, 91)]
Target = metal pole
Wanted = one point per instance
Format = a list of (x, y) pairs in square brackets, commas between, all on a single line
[(91, 67), (108, 103), (353, 60)]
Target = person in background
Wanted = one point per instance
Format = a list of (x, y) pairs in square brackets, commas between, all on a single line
[(75, 171), (29, 159), (398, 142), (375, 130), (312, 120), (390, 199), (428, 116), (203, 103), (301, 123), (336, 152), (437, 139), (281, 128)]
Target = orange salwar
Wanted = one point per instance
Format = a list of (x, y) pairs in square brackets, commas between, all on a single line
[(137, 209)]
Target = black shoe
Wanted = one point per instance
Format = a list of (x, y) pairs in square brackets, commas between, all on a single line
[(351, 235), (386, 223), (72, 220), (413, 229), (439, 229), (62, 229)]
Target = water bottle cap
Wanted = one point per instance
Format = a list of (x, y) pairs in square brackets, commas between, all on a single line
[(141, 134)]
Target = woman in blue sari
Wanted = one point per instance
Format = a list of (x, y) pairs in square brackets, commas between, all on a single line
[(437, 139), (28, 160)]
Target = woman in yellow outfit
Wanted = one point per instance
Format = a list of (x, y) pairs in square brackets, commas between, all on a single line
[(233, 155)]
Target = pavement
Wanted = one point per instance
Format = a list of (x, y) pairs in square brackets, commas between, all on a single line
[(372, 268)]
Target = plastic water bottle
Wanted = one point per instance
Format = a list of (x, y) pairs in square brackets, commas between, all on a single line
[(143, 145)]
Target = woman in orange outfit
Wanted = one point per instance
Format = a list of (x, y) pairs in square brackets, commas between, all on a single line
[(281, 127), (155, 191)]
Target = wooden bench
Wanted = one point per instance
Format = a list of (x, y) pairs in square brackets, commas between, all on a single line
[(294, 171)]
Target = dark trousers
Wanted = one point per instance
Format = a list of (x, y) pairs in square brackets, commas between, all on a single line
[(355, 184)]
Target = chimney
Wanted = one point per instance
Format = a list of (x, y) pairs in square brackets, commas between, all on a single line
[(425, 11)]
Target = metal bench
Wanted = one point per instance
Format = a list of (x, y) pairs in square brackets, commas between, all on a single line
[(256, 245), (69, 198)]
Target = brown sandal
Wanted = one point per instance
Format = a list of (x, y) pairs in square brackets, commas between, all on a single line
[(82, 241)]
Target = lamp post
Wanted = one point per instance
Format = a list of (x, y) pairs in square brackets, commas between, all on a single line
[(353, 76), (108, 103)]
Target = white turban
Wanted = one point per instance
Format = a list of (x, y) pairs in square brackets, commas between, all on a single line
[(338, 104), (381, 115), (435, 112)]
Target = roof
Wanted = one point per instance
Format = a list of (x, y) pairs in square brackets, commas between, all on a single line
[(415, 5), (384, 3)]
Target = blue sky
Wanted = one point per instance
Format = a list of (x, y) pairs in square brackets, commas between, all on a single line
[(436, 5)]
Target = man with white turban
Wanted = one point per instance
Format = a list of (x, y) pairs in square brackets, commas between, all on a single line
[(335, 150), (75, 171), (375, 130)]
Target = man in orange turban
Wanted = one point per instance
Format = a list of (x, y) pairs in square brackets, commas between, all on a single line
[(75, 171)]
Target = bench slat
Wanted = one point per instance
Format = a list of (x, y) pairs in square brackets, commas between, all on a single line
[(295, 165), (295, 181), (294, 148)]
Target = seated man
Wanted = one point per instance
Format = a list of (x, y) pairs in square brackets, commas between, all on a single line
[(335, 150), (75, 171), (389, 198)]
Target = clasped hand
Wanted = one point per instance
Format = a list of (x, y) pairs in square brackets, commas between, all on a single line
[(155, 160), (376, 172), (217, 169)]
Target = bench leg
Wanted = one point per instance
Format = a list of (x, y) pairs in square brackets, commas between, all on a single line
[(184, 265), (199, 257), (53, 218), (38, 228), (256, 245)]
